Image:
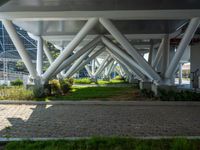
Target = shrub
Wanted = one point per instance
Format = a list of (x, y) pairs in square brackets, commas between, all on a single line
[(38, 92), (16, 82), (170, 95), (71, 81), (55, 87), (147, 93), (118, 78), (65, 85), (83, 81), (15, 93), (61, 86)]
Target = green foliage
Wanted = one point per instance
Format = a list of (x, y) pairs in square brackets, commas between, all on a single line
[(20, 66), (15, 93), (83, 81), (38, 92), (84, 93), (103, 143), (16, 82), (147, 93), (118, 78), (61, 86), (171, 95), (55, 87), (65, 85)]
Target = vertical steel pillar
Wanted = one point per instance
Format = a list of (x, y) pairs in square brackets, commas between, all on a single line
[(39, 61), (180, 73), (165, 55)]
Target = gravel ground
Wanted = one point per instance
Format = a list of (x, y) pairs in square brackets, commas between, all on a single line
[(99, 119)]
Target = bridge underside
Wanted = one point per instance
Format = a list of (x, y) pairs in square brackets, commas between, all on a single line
[(118, 32)]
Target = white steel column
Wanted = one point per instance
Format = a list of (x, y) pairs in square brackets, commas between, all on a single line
[(20, 47), (110, 68), (78, 54), (159, 54), (180, 73), (93, 66), (70, 47), (151, 54), (165, 55), (101, 66), (126, 63), (129, 48), (88, 70), (48, 54), (39, 61), (91, 57), (189, 33), (105, 67), (115, 48), (75, 64)]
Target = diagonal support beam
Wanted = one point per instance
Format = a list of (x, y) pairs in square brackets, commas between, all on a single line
[(70, 47), (101, 66), (129, 48), (91, 57), (115, 48), (78, 54), (88, 70), (20, 47), (189, 33), (105, 67), (76, 64), (128, 65), (48, 53), (159, 54)]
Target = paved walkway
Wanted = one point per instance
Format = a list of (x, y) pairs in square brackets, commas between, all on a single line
[(74, 119)]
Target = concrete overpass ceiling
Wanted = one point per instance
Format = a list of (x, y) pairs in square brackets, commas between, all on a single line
[(71, 27), (97, 5)]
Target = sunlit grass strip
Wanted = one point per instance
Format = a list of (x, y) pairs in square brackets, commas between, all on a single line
[(15, 93)]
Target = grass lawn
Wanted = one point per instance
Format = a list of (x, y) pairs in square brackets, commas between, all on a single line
[(102, 93), (107, 144), (100, 82)]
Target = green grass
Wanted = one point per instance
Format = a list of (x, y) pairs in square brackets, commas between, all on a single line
[(107, 144), (82, 81), (101, 82), (113, 81), (84, 93), (15, 93)]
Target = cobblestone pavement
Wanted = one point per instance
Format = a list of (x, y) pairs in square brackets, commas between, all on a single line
[(112, 119)]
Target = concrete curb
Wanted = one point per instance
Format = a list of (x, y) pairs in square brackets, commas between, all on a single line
[(79, 138), (94, 102)]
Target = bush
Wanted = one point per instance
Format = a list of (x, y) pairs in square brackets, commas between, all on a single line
[(38, 92), (16, 82), (55, 87), (65, 85), (83, 81), (118, 78), (61, 86), (147, 93), (170, 95), (15, 93)]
